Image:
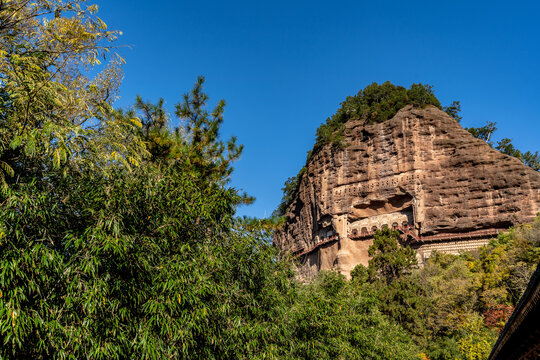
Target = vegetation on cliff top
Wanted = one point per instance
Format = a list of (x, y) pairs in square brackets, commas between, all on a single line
[(374, 104)]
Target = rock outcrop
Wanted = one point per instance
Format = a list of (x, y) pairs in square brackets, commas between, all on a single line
[(420, 173)]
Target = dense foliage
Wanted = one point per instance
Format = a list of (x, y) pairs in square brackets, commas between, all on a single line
[(117, 234), (455, 306)]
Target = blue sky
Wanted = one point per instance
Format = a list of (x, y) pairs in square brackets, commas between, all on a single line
[(284, 66)]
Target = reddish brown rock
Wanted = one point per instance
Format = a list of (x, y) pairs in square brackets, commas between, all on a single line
[(419, 172)]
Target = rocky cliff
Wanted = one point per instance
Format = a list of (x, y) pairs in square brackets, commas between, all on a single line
[(420, 173)]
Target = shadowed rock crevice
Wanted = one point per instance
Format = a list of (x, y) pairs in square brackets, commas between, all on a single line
[(364, 207)]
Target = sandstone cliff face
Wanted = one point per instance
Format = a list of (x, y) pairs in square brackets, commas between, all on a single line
[(420, 169)]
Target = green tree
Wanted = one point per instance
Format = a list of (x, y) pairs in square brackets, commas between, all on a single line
[(484, 132), (105, 253), (388, 258), (454, 110), (476, 341), (331, 319), (51, 111), (195, 145), (162, 145), (211, 157), (528, 158), (360, 274)]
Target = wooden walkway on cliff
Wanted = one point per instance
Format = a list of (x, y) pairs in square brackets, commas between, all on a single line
[(409, 236), (329, 240)]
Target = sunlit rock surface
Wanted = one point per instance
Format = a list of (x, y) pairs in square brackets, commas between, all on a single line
[(419, 172)]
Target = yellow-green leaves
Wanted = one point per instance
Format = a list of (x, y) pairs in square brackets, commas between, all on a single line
[(53, 109), (5, 170), (136, 122)]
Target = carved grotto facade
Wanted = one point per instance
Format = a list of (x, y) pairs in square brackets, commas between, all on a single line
[(419, 173)]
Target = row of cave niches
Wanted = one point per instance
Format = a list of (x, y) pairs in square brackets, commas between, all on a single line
[(405, 229), (365, 232)]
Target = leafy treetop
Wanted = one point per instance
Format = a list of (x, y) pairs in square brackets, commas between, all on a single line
[(388, 257), (52, 111), (196, 144), (374, 104)]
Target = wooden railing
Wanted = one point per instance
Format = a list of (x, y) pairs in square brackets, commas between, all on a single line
[(332, 238), (411, 234), (364, 235), (456, 236)]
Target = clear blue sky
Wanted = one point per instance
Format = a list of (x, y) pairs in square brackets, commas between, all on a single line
[(284, 66)]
